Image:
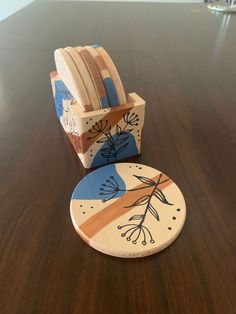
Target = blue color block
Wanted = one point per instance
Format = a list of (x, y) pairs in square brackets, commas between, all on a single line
[(111, 91), (126, 151), (87, 189), (104, 102), (61, 93)]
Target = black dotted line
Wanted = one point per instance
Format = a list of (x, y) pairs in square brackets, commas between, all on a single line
[(174, 218)]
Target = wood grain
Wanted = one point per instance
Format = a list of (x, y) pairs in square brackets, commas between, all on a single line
[(84, 73), (178, 58), (105, 75), (95, 76), (72, 78), (114, 74)]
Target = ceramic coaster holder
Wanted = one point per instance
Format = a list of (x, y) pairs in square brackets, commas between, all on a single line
[(102, 136)]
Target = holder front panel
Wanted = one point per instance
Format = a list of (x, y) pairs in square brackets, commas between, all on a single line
[(102, 136)]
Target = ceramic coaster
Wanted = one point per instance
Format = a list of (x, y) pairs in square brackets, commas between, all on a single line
[(114, 73), (106, 77), (71, 77), (81, 67), (127, 210), (95, 76)]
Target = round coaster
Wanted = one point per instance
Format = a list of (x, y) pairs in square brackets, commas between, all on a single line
[(81, 67), (127, 210), (95, 76), (71, 77), (106, 77), (114, 73)]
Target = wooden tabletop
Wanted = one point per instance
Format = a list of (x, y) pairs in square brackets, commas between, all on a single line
[(181, 60)]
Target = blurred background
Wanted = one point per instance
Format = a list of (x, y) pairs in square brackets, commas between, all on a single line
[(7, 7)]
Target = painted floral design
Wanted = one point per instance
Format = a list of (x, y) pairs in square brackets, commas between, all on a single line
[(137, 231), (115, 144)]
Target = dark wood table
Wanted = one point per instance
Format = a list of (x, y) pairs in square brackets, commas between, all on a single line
[(182, 60)]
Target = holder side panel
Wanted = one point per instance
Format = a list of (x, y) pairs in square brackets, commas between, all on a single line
[(102, 136)]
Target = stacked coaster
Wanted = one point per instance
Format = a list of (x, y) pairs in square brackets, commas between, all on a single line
[(91, 77), (91, 106)]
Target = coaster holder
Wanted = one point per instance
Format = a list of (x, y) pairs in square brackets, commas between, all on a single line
[(102, 136)]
